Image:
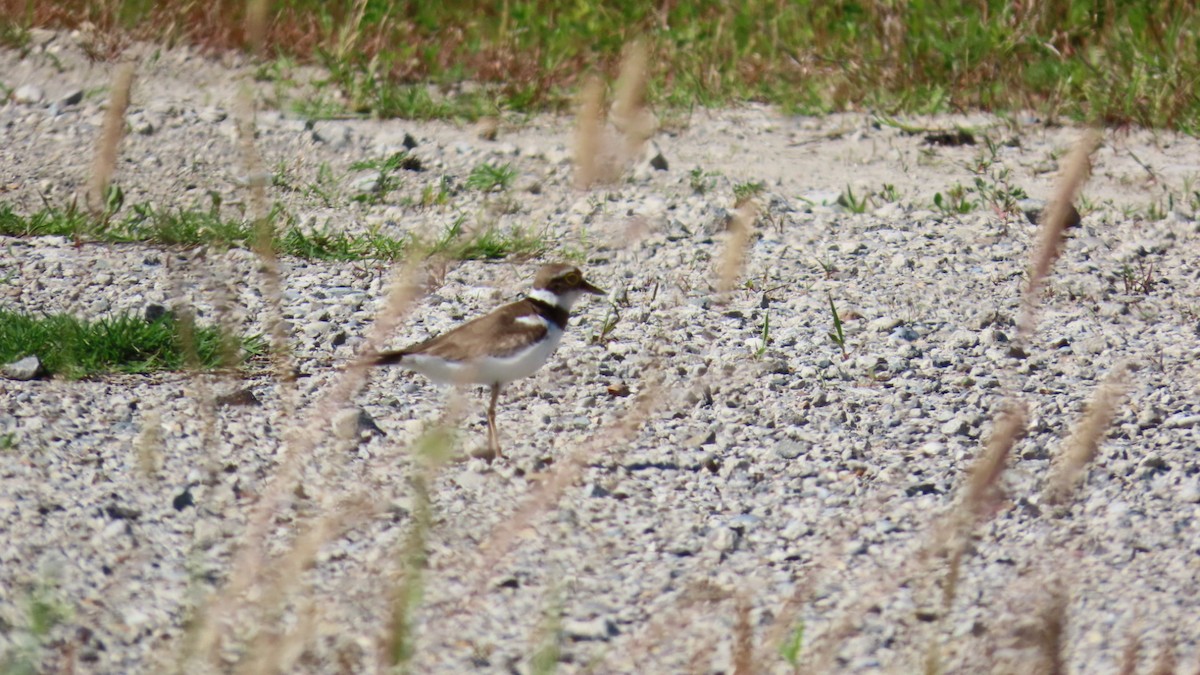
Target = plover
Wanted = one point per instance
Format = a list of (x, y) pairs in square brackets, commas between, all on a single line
[(509, 343)]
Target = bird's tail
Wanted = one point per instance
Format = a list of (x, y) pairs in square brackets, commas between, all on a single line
[(390, 358)]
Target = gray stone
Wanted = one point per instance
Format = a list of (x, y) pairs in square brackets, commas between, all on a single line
[(72, 97), (212, 115), (334, 135), (884, 324), (23, 369), (724, 539), (367, 183), (959, 426), (28, 94), (791, 449), (1182, 421), (598, 628)]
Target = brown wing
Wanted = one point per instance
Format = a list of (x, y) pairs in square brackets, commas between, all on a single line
[(494, 334)]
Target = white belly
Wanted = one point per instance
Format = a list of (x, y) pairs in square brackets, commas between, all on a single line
[(489, 370)]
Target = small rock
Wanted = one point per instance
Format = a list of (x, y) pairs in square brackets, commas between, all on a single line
[(989, 317), (652, 160), (72, 97), (482, 451), (618, 389), (1182, 421), (366, 424), (242, 396), (558, 155), (598, 628), (118, 512), (333, 135), (963, 339), (212, 115), (367, 183), (488, 128), (905, 333), (23, 369), (1189, 493), (183, 500), (154, 312), (144, 124), (958, 426), (345, 424), (28, 93), (791, 449), (794, 530), (658, 162), (884, 324), (724, 539), (1148, 418), (1035, 208)]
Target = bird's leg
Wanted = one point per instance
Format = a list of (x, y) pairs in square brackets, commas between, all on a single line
[(493, 435)]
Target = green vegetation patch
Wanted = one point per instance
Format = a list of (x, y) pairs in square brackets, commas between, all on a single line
[(207, 228), (125, 343), (1113, 63)]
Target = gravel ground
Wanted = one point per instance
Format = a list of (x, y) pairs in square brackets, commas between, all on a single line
[(782, 478)]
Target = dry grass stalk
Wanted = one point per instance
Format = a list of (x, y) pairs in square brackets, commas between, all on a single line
[(978, 504), (1052, 632), (741, 229), (201, 392), (551, 489), (397, 645), (947, 537), (1131, 652), (785, 620), (629, 113), (743, 638), (256, 24), (270, 648), (280, 654), (350, 35), (664, 624), (984, 479), (701, 661), (1055, 220), (1081, 447), (589, 131), (1166, 663), (250, 561), (431, 452), (105, 162), (270, 275), (149, 444), (933, 660)]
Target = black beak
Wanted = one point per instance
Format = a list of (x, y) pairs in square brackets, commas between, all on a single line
[(587, 287)]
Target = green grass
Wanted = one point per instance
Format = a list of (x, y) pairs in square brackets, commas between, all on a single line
[(489, 177), (837, 336), (44, 610), (748, 190), (389, 179), (182, 227), (1112, 63), (125, 343), (488, 244)]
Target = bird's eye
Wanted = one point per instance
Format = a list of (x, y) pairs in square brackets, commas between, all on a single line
[(572, 278)]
